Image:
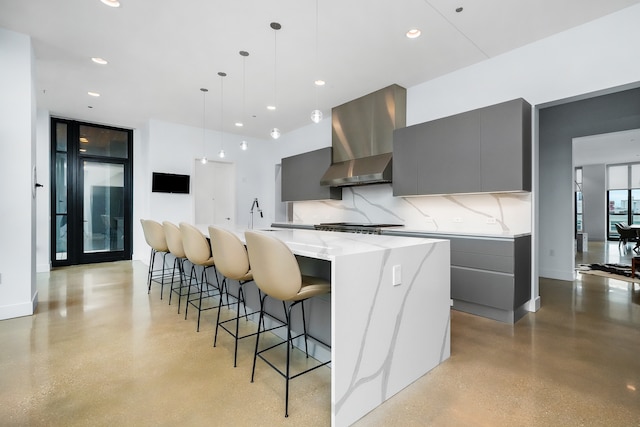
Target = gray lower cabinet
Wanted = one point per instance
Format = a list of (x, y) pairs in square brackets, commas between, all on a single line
[(301, 176), (490, 277), (484, 150)]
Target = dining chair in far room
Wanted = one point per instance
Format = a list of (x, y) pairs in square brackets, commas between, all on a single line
[(154, 235), (198, 252), (232, 261), (277, 274), (626, 235), (176, 248)]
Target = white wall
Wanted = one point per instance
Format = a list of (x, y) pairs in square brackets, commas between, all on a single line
[(43, 206), (594, 202), (18, 293), (172, 148)]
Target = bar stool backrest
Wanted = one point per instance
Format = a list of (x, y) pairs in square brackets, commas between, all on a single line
[(274, 267), (174, 239), (154, 235), (196, 247), (229, 253)]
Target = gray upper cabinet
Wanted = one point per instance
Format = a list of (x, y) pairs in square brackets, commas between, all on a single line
[(301, 177), (484, 150), (505, 146), (448, 161), (405, 161)]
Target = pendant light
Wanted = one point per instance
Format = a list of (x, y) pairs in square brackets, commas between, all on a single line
[(244, 145), (222, 75), (204, 105), (316, 115), (275, 132)]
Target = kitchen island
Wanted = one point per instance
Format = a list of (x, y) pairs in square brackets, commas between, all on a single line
[(390, 312)]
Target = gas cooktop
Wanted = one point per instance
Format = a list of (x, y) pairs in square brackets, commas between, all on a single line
[(354, 227)]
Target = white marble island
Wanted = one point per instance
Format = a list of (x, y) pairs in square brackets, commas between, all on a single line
[(387, 329)]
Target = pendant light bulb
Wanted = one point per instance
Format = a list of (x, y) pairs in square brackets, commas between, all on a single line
[(204, 105), (221, 154), (275, 133), (316, 116), (244, 145)]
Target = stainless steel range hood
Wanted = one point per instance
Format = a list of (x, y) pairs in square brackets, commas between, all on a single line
[(362, 137)]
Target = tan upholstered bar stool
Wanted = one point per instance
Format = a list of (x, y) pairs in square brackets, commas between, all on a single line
[(154, 235), (277, 274), (232, 262), (176, 248), (198, 252)]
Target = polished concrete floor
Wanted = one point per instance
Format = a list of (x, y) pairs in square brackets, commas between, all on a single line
[(100, 351)]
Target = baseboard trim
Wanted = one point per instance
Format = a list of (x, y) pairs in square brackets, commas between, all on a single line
[(17, 310)]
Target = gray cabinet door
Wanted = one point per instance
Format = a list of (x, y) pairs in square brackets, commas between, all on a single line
[(449, 155), (505, 146), (405, 160), (301, 176)]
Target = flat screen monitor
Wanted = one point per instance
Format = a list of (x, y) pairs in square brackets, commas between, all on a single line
[(170, 183)]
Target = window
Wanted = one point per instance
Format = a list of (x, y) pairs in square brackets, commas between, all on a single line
[(623, 196), (577, 189)]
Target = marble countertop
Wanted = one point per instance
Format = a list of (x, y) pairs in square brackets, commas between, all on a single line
[(410, 232), (486, 235), (328, 245)]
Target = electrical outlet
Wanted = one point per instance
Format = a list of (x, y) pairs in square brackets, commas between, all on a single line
[(491, 220), (397, 275), (457, 220)]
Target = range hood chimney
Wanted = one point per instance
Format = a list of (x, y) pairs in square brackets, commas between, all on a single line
[(362, 137)]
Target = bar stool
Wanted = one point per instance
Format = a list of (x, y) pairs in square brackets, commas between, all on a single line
[(174, 242), (198, 253), (277, 274), (154, 235), (232, 262)]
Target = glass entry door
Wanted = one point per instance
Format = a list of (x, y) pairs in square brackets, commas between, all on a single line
[(92, 189), (102, 207)]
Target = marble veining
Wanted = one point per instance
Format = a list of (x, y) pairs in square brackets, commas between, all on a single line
[(386, 336), (384, 369), (485, 213)]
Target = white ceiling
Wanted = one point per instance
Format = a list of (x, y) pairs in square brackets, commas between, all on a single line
[(162, 52), (607, 148)]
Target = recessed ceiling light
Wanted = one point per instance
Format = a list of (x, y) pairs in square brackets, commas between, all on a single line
[(99, 60), (271, 107), (96, 94), (413, 33), (459, 9), (83, 150), (319, 82), (84, 139), (239, 124), (112, 3)]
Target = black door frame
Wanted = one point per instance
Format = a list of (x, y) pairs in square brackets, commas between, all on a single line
[(75, 191)]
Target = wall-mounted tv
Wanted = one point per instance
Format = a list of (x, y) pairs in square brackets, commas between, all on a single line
[(170, 183)]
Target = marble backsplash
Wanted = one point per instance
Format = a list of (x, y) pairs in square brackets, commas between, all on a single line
[(485, 213)]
